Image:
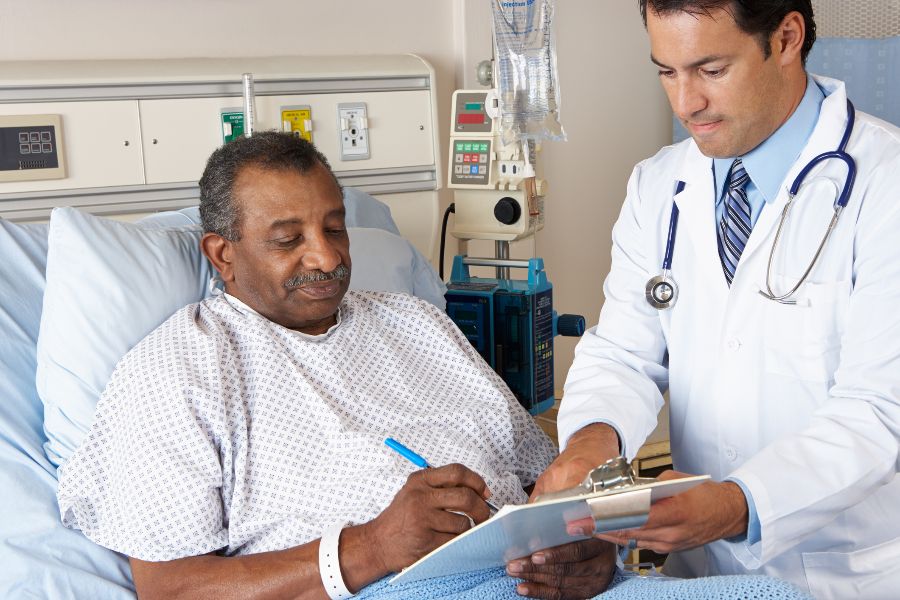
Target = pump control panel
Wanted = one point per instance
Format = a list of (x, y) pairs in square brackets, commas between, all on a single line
[(470, 162), (472, 140), (31, 148)]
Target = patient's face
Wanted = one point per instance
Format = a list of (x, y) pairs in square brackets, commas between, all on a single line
[(292, 263)]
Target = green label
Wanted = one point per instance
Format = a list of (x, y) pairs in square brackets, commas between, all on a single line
[(236, 122)]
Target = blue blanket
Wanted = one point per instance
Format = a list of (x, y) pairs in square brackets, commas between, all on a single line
[(495, 584)]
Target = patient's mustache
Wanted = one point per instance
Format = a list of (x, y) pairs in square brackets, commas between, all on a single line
[(341, 272)]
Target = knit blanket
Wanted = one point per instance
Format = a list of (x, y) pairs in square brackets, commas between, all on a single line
[(495, 584)]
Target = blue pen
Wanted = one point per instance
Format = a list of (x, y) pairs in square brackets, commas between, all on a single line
[(418, 460), (406, 453)]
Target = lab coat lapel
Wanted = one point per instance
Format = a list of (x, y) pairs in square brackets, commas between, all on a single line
[(697, 218)]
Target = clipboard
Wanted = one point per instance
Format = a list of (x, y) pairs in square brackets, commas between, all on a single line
[(520, 530)]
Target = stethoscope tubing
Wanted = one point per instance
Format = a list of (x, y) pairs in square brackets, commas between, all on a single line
[(844, 196), (840, 203), (673, 228)]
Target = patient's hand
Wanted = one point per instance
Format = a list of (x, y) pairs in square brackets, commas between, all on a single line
[(418, 519), (577, 570)]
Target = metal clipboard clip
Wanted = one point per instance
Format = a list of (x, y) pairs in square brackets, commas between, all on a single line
[(617, 498)]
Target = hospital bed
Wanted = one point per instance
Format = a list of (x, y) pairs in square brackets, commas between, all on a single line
[(76, 295), (114, 273)]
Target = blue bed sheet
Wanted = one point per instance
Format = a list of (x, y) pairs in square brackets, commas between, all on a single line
[(40, 558)]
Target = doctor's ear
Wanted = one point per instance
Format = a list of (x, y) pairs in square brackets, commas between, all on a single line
[(220, 252), (787, 41)]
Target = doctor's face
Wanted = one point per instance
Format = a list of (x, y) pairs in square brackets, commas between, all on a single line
[(292, 262), (720, 84)]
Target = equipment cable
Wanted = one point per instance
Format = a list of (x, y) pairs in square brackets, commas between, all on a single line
[(450, 209)]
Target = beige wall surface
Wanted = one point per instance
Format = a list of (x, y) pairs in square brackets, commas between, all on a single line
[(615, 114), (612, 107)]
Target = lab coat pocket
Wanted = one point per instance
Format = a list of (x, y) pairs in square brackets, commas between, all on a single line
[(870, 573), (803, 340)]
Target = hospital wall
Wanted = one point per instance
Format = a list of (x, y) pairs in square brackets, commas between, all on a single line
[(612, 107)]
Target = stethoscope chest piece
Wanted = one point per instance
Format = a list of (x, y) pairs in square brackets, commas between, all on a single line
[(661, 292)]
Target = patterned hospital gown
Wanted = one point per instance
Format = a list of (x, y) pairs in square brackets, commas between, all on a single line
[(223, 431)]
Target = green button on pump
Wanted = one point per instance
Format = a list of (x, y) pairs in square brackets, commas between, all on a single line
[(474, 106)]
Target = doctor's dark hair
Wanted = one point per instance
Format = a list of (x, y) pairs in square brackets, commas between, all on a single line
[(219, 211), (759, 18)]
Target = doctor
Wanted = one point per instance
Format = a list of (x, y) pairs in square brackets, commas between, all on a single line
[(793, 407)]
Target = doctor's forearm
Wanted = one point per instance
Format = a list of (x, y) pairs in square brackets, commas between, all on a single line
[(597, 440), (587, 448)]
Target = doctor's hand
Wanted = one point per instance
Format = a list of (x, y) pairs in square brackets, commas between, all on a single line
[(418, 519), (587, 448), (703, 514), (581, 569)]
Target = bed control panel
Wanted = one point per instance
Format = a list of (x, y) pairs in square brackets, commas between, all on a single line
[(31, 148)]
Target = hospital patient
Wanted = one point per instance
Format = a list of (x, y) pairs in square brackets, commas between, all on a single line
[(250, 425)]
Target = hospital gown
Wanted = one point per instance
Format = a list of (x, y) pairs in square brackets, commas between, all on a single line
[(223, 431)]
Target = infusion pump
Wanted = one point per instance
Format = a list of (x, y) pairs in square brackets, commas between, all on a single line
[(496, 192)]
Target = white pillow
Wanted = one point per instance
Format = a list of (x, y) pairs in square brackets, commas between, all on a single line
[(111, 283), (384, 262)]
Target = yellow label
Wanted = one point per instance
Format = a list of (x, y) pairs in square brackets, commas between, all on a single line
[(297, 119)]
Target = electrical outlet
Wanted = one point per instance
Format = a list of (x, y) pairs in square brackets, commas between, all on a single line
[(353, 123)]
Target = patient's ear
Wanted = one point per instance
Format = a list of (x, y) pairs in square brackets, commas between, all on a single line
[(220, 252)]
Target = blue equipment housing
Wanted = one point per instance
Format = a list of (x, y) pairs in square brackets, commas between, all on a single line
[(511, 322)]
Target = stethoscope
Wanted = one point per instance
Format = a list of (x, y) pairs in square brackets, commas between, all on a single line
[(662, 291)]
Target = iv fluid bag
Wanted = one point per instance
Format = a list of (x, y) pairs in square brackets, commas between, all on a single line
[(526, 74)]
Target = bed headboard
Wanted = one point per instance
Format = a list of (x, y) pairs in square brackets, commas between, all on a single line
[(132, 136)]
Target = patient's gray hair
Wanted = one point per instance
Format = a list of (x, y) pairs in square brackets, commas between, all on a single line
[(219, 213)]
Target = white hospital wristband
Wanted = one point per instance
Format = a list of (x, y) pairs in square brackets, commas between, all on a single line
[(330, 565)]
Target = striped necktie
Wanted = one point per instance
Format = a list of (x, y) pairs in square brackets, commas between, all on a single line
[(735, 226)]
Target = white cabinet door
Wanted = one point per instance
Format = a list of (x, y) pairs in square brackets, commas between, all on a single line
[(179, 135), (101, 143)]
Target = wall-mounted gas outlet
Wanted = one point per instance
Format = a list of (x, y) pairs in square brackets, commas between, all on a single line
[(297, 120), (353, 123), (232, 124)]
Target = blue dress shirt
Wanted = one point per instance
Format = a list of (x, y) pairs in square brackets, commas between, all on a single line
[(767, 165)]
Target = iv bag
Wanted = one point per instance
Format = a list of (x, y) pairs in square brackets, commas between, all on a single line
[(526, 74)]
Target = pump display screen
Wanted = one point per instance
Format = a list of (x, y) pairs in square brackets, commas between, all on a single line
[(469, 114)]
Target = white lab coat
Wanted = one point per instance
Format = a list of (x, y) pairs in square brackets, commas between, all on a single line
[(801, 403)]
